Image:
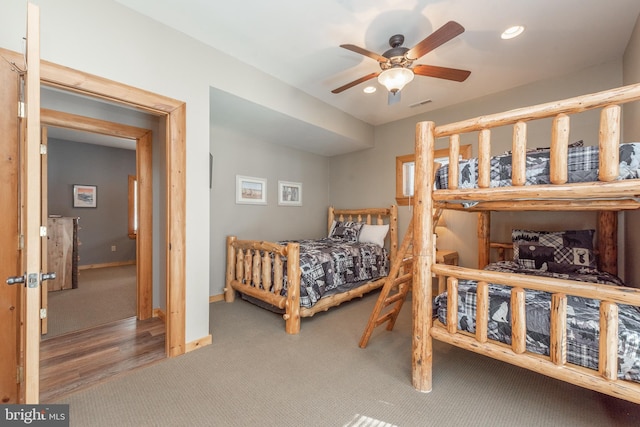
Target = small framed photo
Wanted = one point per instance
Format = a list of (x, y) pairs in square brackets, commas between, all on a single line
[(289, 193), (85, 196), (250, 190)]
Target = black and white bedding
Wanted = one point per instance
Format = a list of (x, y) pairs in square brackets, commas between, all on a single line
[(582, 167), (330, 266), (582, 317)]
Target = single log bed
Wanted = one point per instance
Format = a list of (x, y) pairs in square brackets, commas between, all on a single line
[(611, 192), (272, 274)]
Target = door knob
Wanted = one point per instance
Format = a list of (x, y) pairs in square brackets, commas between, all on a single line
[(15, 279), (21, 279)]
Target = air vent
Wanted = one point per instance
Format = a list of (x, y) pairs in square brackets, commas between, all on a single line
[(417, 104)]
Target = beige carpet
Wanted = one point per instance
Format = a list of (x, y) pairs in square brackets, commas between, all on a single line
[(103, 295), (256, 375)]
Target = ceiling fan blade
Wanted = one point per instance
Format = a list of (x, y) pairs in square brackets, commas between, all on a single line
[(365, 52), (441, 72), (355, 82), (442, 35)]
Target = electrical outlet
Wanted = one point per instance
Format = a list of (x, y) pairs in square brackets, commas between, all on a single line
[(113, 248)]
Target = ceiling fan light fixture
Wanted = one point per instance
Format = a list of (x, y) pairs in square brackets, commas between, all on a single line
[(512, 32), (394, 79)]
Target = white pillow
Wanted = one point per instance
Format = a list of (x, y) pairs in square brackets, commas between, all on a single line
[(373, 234)]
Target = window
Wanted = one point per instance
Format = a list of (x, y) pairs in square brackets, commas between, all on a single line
[(133, 207), (405, 168), (408, 172), (405, 171)]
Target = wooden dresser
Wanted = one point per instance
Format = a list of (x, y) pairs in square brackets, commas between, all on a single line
[(62, 252)]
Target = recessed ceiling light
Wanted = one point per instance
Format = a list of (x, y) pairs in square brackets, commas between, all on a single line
[(369, 89), (512, 32)]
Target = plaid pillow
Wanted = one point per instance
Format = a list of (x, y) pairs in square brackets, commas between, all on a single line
[(533, 256), (532, 249), (346, 231)]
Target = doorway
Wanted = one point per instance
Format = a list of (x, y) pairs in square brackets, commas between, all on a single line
[(91, 340), (141, 141), (172, 114)]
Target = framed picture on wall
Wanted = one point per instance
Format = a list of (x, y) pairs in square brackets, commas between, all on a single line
[(85, 196), (250, 190), (289, 193)]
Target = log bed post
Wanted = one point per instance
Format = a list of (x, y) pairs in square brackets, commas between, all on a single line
[(484, 238), (229, 292), (609, 140), (607, 241), (292, 316), (332, 217), (423, 252), (393, 232)]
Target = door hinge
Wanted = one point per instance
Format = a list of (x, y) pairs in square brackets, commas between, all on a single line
[(21, 242), (21, 109), (43, 231), (43, 149), (19, 375), (43, 313)]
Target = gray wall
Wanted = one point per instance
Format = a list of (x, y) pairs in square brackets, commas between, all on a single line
[(367, 178), (236, 154), (106, 225)]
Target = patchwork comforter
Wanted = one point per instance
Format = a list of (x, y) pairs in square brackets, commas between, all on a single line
[(582, 318), (330, 266), (582, 166)]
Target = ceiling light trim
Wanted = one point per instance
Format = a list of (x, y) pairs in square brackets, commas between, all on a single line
[(394, 79)]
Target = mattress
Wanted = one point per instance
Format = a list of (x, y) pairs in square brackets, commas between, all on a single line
[(582, 166), (582, 318), (328, 267)]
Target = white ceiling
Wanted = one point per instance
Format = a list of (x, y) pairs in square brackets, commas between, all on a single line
[(298, 42)]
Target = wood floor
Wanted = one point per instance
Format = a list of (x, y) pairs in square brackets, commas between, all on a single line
[(77, 360)]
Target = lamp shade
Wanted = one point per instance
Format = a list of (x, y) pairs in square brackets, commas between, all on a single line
[(394, 79)]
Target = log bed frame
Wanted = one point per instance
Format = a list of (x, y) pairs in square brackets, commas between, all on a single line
[(249, 268), (606, 195)]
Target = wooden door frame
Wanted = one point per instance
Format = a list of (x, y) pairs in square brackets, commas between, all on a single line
[(10, 255), (31, 212), (144, 238), (174, 114)]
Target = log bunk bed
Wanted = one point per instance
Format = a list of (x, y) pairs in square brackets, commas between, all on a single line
[(608, 194), (272, 274)]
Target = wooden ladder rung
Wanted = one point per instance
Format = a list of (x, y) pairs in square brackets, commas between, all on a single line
[(390, 300), (387, 316), (397, 277)]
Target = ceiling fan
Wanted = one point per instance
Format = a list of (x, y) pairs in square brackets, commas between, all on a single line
[(396, 63)]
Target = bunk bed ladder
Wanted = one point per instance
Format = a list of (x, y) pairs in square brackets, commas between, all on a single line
[(395, 289)]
